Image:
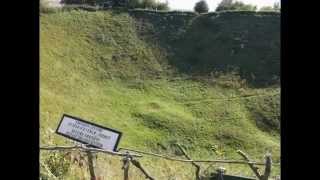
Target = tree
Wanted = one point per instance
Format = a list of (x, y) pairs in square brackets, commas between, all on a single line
[(135, 4), (163, 6), (149, 4), (201, 7), (266, 8), (224, 4), (90, 2), (276, 6), (230, 5)]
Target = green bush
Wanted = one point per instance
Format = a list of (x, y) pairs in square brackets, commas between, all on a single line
[(89, 2), (57, 164), (163, 6), (266, 8), (201, 7), (227, 5), (72, 1), (148, 4), (135, 4), (275, 7)]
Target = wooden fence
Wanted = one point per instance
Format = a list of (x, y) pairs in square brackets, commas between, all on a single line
[(131, 156)]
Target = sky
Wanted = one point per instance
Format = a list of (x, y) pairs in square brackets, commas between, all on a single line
[(189, 4)]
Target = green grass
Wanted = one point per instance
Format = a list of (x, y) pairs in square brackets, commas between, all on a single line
[(247, 41), (96, 66)]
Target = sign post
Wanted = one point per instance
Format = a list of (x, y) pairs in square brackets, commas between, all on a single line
[(90, 134)]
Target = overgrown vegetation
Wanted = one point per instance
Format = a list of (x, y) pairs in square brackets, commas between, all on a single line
[(251, 42), (201, 7), (149, 4), (231, 5), (106, 67), (275, 7), (144, 4)]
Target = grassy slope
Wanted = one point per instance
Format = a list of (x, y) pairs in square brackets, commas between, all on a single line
[(247, 41), (93, 65)]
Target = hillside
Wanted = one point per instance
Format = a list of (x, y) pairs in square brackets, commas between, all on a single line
[(129, 73)]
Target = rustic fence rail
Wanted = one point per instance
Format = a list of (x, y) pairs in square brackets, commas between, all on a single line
[(130, 158)]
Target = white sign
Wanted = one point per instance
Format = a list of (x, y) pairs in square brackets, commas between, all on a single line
[(88, 133)]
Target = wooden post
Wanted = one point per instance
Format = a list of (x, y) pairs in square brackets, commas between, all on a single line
[(91, 167), (252, 166), (138, 165), (267, 170), (125, 167), (198, 177), (220, 172)]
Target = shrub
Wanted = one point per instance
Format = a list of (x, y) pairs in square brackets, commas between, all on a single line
[(57, 164), (266, 8), (89, 2), (149, 4), (135, 4), (72, 1), (201, 7), (163, 6), (227, 5), (276, 6)]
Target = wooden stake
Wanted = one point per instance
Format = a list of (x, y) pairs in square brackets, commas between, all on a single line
[(198, 177), (267, 170), (126, 163), (252, 166), (138, 165), (91, 167), (255, 169)]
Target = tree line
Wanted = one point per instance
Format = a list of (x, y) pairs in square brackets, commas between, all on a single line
[(232, 5), (199, 7)]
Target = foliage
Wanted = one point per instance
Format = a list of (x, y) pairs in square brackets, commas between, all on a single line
[(266, 8), (73, 1), (149, 4), (89, 2), (163, 6), (135, 3), (58, 164), (275, 7), (230, 5), (201, 7)]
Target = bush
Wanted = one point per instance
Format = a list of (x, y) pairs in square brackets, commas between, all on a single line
[(135, 4), (163, 6), (57, 164), (230, 5), (72, 1), (148, 4), (89, 2), (201, 7), (266, 8), (275, 7)]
